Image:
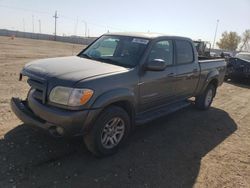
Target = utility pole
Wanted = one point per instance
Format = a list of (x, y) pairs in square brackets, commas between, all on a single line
[(76, 25), (56, 17), (33, 24), (40, 29), (107, 29), (23, 25), (217, 23), (86, 29)]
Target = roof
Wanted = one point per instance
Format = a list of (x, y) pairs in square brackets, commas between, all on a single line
[(142, 35), (244, 53)]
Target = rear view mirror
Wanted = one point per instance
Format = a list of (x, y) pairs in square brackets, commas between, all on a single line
[(156, 65)]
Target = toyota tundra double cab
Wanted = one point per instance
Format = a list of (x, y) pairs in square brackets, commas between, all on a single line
[(119, 81)]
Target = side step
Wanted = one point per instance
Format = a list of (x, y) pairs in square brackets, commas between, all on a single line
[(148, 116)]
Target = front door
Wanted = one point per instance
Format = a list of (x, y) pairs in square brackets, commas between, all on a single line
[(158, 87)]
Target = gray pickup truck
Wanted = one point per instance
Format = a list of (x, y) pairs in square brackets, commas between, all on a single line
[(119, 81)]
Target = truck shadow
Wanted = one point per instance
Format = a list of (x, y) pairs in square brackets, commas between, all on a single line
[(164, 153)]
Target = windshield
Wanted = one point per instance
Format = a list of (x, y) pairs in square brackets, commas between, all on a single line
[(119, 50), (243, 56)]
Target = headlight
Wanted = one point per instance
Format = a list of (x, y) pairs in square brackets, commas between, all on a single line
[(70, 96)]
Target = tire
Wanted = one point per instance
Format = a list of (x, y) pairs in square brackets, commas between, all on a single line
[(204, 101), (112, 122)]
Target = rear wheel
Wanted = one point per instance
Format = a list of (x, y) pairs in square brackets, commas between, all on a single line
[(205, 100), (109, 131)]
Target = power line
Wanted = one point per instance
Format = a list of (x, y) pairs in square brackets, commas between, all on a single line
[(56, 17), (86, 24), (91, 23), (25, 9)]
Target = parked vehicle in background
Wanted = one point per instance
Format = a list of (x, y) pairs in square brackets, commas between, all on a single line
[(213, 54), (203, 48), (239, 66), (119, 81), (226, 55)]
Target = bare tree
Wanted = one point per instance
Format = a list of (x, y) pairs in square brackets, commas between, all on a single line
[(245, 40), (229, 41)]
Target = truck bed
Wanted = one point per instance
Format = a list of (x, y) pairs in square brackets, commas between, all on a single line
[(211, 66), (207, 58)]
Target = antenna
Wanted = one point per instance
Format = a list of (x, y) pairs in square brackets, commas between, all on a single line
[(56, 17)]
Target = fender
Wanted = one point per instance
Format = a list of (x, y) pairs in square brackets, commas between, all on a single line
[(213, 75), (116, 95), (104, 100)]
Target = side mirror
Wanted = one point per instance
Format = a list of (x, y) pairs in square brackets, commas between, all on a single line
[(156, 65)]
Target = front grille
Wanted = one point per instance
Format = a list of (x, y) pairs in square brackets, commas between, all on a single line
[(40, 89)]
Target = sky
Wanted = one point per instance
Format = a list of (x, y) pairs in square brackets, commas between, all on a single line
[(191, 18)]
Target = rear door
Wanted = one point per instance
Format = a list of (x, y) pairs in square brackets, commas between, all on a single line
[(158, 87), (187, 69)]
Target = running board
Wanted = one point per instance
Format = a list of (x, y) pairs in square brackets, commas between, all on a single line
[(159, 112)]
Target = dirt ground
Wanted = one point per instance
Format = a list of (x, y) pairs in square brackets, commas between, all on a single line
[(189, 148)]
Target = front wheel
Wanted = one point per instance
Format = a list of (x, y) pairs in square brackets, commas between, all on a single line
[(109, 131), (204, 101)]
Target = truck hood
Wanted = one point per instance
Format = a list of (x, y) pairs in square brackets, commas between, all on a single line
[(72, 68)]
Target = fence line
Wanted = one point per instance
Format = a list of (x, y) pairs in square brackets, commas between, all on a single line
[(39, 36)]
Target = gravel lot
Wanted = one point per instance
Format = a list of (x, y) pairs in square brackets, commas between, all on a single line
[(187, 149)]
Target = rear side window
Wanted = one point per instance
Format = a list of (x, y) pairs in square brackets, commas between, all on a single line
[(184, 51)]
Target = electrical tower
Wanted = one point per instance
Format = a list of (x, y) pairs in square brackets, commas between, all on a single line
[(56, 17)]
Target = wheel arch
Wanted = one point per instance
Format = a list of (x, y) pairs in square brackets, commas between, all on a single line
[(122, 98), (212, 78)]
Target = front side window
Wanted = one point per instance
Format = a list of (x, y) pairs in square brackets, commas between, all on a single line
[(162, 50), (184, 52), (119, 50)]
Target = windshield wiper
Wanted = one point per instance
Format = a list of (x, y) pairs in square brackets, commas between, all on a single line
[(106, 60), (113, 62)]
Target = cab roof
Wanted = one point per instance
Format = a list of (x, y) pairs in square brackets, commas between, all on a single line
[(146, 35)]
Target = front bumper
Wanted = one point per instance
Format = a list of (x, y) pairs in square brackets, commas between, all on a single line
[(34, 113)]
